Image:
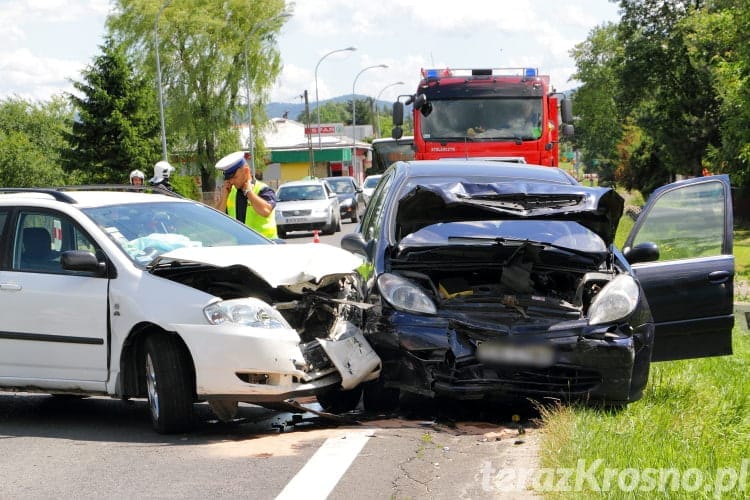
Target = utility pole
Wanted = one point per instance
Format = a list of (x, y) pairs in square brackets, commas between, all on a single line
[(309, 135)]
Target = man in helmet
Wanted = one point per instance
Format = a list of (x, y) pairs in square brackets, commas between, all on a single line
[(162, 171), (137, 177), (245, 198)]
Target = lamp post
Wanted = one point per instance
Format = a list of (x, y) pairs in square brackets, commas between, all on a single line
[(250, 137), (158, 78), (378, 98), (354, 109), (317, 106)]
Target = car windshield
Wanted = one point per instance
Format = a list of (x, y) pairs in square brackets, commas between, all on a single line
[(341, 186), (371, 182), (297, 193), (146, 230)]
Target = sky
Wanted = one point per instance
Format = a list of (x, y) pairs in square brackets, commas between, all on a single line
[(44, 44)]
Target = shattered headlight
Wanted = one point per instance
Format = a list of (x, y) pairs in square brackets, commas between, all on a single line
[(404, 295), (616, 301), (247, 312)]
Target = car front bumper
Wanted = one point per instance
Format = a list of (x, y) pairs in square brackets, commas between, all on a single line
[(255, 365), (436, 357)]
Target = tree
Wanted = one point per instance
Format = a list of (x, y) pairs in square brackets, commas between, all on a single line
[(599, 125), (31, 142), (672, 100), (117, 129), (202, 49)]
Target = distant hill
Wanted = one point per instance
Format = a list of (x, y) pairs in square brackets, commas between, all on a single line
[(277, 109)]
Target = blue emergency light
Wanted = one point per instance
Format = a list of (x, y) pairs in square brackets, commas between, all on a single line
[(529, 72)]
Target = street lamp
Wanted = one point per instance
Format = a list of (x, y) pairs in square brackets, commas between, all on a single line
[(354, 115), (317, 106), (378, 98), (158, 77), (250, 137)]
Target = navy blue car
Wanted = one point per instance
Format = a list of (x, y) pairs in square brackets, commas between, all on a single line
[(499, 280)]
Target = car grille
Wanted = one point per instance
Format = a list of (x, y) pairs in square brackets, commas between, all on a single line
[(295, 213)]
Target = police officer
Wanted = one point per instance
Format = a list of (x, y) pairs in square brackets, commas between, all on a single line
[(245, 198), (137, 177), (162, 171)]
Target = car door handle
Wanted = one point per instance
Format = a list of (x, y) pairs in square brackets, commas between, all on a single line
[(719, 276), (13, 287)]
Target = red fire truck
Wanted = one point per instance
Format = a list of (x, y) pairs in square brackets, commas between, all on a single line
[(507, 114)]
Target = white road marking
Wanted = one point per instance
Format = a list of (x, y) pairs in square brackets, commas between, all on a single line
[(325, 468)]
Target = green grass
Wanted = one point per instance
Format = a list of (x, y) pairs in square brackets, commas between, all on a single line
[(692, 423), (694, 416)]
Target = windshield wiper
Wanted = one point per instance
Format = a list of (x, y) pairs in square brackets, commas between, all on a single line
[(499, 240)]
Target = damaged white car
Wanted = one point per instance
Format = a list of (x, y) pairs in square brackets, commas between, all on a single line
[(143, 294)]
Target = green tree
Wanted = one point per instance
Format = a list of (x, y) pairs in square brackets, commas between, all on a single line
[(718, 42), (32, 137), (599, 125), (117, 129), (671, 99), (202, 48)]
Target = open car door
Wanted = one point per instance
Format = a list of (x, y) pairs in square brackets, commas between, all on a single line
[(690, 287)]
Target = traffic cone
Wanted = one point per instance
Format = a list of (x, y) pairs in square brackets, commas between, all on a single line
[(316, 236)]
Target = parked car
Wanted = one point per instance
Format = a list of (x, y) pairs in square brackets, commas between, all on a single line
[(140, 294), (351, 198), (500, 280), (307, 205), (368, 186)]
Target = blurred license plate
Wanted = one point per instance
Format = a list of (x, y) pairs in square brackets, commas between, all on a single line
[(537, 355), (295, 220)]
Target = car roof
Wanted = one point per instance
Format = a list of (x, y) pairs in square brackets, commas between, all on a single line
[(342, 177), (476, 168), (304, 182), (87, 197)]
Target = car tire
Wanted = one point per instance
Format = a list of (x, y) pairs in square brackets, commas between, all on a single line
[(338, 223), (355, 214), (338, 401), (169, 384), (281, 233), (377, 397), (330, 227)]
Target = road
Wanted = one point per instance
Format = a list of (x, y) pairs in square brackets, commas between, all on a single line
[(55, 447)]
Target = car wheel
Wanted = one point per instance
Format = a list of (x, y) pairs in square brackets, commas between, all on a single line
[(338, 223), (377, 397), (281, 233), (330, 226), (338, 401), (355, 214), (169, 384)]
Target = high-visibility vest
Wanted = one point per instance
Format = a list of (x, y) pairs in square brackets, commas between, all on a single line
[(264, 225)]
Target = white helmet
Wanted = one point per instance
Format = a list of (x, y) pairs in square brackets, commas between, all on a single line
[(162, 170), (137, 173)]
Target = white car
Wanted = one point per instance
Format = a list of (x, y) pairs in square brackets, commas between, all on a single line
[(369, 185), (307, 205), (147, 294)]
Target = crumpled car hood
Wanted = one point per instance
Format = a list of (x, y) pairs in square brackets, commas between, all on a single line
[(598, 209), (278, 265)]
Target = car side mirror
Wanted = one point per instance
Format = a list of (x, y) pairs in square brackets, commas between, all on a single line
[(642, 252), (355, 243), (79, 260)]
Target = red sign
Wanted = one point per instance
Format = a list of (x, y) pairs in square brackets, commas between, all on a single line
[(324, 129)]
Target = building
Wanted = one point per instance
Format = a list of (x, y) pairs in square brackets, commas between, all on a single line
[(296, 152)]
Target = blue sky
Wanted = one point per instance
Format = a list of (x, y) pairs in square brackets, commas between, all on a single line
[(46, 43)]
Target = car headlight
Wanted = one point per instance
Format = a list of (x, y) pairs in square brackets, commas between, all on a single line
[(404, 295), (346, 203), (617, 300), (246, 312), (319, 212)]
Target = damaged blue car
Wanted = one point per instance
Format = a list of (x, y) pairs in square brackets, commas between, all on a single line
[(493, 280)]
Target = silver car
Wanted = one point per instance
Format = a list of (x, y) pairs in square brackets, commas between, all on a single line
[(305, 206)]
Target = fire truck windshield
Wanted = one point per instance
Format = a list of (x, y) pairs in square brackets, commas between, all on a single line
[(485, 119)]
